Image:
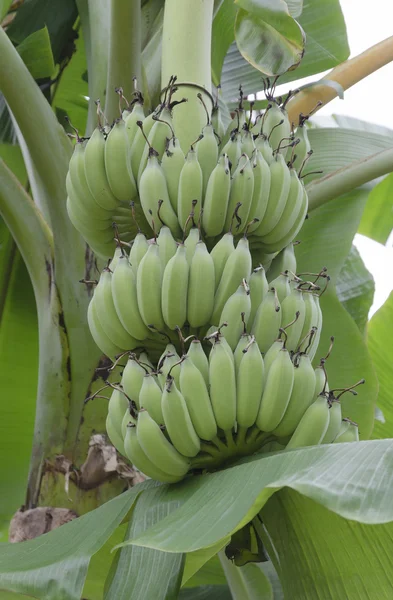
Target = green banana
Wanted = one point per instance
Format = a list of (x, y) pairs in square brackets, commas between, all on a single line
[(242, 188), (281, 285), (207, 153), (157, 138), (277, 392), (197, 355), (104, 343), (292, 209), (125, 299), (258, 289), (217, 198), (172, 163), (312, 426), (95, 171), (250, 382), (190, 243), (290, 306), (150, 398), (276, 126), (222, 386), (166, 245), (334, 421), (174, 289), (190, 189), (148, 285), (233, 149), (284, 261), (267, 321), (201, 286), (114, 437), (262, 144), (260, 196), (137, 114), (349, 432), (169, 362), (280, 180), (139, 142), (244, 340), (178, 421), (236, 313), (132, 379), (118, 169), (220, 255), (138, 250), (117, 406)]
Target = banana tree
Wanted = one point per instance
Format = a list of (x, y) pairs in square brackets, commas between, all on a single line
[(293, 509)]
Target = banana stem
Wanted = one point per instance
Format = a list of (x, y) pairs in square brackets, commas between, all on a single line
[(346, 75), (124, 58), (94, 16), (350, 177), (186, 53)]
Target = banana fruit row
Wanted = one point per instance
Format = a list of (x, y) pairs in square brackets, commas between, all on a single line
[(203, 410), (247, 181)]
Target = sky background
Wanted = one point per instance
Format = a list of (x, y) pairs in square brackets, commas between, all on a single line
[(370, 100)]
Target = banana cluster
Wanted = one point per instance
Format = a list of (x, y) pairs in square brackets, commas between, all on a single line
[(246, 181), (203, 410)]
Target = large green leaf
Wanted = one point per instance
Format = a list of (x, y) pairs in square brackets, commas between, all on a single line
[(323, 50), (223, 34), (268, 37), (377, 220), (355, 288), (248, 581), (205, 592), (36, 53), (54, 566), (141, 572), (379, 339), (322, 555), (353, 480)]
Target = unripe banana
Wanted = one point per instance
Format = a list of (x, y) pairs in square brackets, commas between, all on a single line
[(190, 189), (312, 426), (321, 384), (148, 285), (201, 287), (115, 438), (262, 144), (260, 196), (242, 188), (150, 398), (250, 383), (279, 188), (248, 145), (168, 359), (258, 289), (217, 121), (166, 245), (158, 136), (217, 198), (117, 165), (95, 171), (132, 379), (107, 315), (190, 243), (152, 190), (98, 334), (138, 250), (235, 125), (334, 422), (311, 316), (272, 354), (139, 143), (145, 361), (158, 449), (141, 461), (174, 289), (236, 304), (315, 341), (267, 321), (220, 255), (87, 230), (349, 432), (115, 259), (233, 149), (127, 419), (284, 261), (290, 213), (290, 306), (277, 392), (302, 397), (197, 355), (244, 340), (276, 126), (125, 298), (178, 421), (237, 268), (117, 406), (207, 153), (281, 285), (303, 147), (222, 386), (172, 163), (131, 120)]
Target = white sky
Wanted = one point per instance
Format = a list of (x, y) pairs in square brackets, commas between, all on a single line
[(371, 100)]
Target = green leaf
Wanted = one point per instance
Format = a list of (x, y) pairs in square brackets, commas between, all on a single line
[(54, 565), (210, 574), (205, 592), (268, 37), (379, 340), (354, 480), (355, 288), (141, 572), (248, 582), (377, 220), (19, 377), (13, 158), (223, 34), (195, 561), (37, 14), (36, 53), (323, 50), (322, 555)]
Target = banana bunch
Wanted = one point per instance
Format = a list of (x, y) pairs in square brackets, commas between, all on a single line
[(247, 181), (205, 409)]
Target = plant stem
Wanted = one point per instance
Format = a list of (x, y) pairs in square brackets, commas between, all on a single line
[(348, 178), (346, 75), (94, 15), (186, 50), (124, 61)]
